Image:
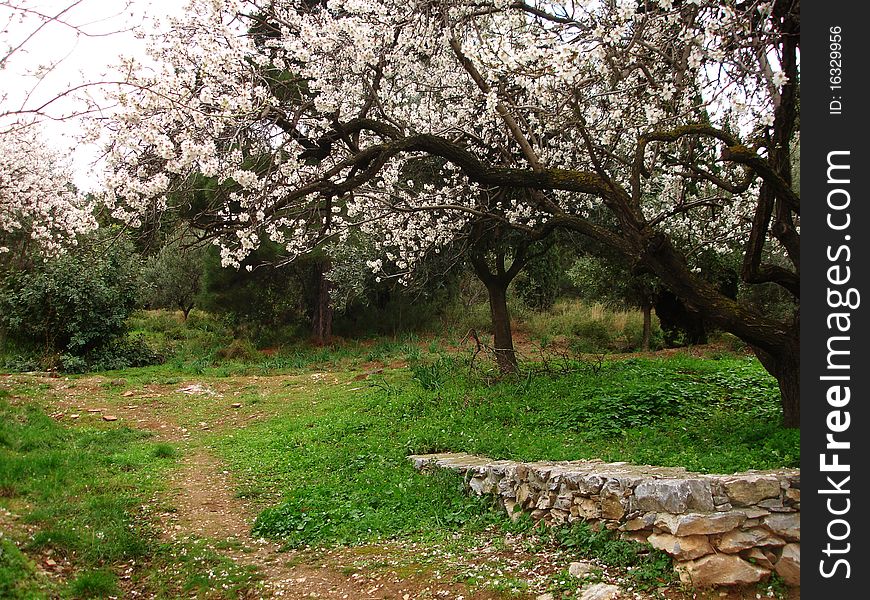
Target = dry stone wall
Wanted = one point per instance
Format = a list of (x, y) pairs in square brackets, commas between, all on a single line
[(720, 529)]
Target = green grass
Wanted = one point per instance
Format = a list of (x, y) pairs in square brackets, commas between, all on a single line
[(18, 575), (647, 568), (99, 583), (339, 453), (84, 492), (591, 327), (85, 486)]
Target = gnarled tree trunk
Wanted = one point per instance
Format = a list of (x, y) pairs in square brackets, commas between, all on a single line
[(785, 366)]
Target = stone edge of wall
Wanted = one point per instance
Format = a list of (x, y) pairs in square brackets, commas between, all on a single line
[(720, 529)]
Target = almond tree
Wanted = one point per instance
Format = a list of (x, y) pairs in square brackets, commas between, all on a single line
[(657, 127), (38, 205)]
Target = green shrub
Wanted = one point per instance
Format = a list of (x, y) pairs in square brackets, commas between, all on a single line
[(73, 304), (592, 336), (648, 568), (241, 350)]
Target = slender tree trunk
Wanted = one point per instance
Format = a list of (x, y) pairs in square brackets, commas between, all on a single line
[(321, 319), (185, 310), (647, 325), (505, 355)]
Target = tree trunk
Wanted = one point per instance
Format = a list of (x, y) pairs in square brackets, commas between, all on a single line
[(776, 344), (785, 366), (321, 318), (647, 326), (505, 355)]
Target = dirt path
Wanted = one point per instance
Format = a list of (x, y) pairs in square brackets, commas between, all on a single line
[(206, 507)]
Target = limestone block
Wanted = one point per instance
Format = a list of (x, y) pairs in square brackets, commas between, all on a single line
[(720, 569), (539, 514), (559, 517), (563, 502), (681, 548), (785, 525), (771, 503), (507, 488), (789, 565), (477, 485), (510, 505), (544, 501), (700, 524), (585, 483), (737, 540), (674, 496), (581, 568), (611, 506), (750, 489), (538, 476), (588, 508), (523, 493), (644, 522)]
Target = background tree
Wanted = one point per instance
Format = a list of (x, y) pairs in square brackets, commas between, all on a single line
[(173, 277)]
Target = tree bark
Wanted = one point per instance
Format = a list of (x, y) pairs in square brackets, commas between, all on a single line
[(321, 318), (503, 342), (785, 366)]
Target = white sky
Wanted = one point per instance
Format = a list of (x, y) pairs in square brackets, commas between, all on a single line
[(82, 59)]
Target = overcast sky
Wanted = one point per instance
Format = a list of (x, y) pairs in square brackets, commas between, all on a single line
[(82, 58)]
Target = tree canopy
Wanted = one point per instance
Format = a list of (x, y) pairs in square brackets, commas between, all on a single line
[(662, 129)]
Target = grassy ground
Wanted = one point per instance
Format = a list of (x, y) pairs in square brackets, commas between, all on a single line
[(79, 508), (315, 440), (340, 460)]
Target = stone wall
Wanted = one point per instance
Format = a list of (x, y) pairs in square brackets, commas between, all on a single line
[(720, 529)]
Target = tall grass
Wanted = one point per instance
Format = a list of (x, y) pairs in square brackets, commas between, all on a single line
[(592, 327)]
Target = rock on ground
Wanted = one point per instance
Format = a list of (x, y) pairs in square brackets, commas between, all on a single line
[(600, 591)]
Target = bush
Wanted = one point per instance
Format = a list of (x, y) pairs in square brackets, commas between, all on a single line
[(73, 310), (241, 350), (73, 303)]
